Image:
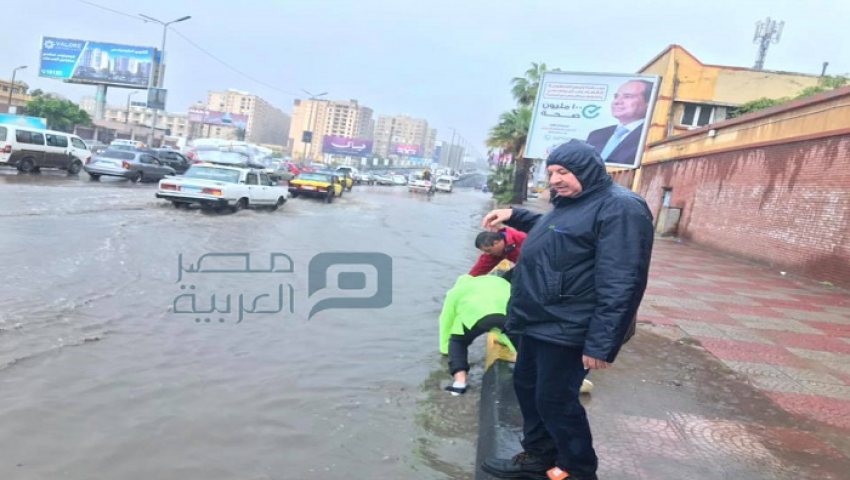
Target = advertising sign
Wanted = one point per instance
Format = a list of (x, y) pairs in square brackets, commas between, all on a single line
[(350, 147), (82, 61), (219, 119), (609, 111), (407, 150), (156, 98), (21, 121)]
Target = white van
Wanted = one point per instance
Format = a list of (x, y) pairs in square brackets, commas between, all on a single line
[(30, 149), (444, 184)]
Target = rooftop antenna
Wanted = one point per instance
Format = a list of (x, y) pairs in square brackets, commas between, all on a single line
[(767, 32)]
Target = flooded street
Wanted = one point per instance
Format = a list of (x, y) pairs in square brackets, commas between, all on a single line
[(100, 378)]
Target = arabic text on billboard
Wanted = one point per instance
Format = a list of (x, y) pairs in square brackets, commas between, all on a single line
[(93, 62), (350, 147), (222, 119), (408, 150), (611, 112)]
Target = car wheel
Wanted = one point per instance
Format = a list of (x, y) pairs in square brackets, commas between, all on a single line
[(94, 176), (280, 202), (26, 165), (242, 204), (136, 177), (75, 167)]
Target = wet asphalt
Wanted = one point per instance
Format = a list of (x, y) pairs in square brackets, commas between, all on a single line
[(101, 378)]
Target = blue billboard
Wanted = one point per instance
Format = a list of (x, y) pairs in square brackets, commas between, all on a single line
[(91, 62), (21, 121)]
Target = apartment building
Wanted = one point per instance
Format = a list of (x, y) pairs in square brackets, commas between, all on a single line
[(266, 123), (392, 131), (327, 117), (176, 123)]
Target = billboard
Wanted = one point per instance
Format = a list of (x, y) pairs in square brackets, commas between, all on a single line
[(407, 150), (350, 147), (21, 121), (609, 111), (220, 119), (156, 98), (81, 61)]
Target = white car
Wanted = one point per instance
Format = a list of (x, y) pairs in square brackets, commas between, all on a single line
[(419, 184), (399, 180), (444, 184), (223, 186)]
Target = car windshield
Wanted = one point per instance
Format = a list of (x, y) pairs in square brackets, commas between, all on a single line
[(315, 177), (117, 154), (213, 173), (444, 180), (217, 156)]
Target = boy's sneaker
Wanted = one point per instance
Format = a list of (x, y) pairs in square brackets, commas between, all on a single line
[(558, 474), (522, 465)]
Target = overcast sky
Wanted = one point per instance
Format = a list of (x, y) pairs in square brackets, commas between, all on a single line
[(449, 62)]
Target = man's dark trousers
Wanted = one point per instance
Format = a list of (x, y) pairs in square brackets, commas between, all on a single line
[(547, 381)]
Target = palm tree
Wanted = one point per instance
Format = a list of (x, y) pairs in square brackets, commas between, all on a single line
[(510, 135), (525, 88)]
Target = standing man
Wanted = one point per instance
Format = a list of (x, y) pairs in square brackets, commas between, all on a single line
[(574, 298), (495, 247), (619, 143)]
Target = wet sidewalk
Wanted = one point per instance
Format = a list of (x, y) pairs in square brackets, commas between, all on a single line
[(736, 372)]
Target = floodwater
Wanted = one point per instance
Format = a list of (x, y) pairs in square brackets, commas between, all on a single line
[(101, 378)]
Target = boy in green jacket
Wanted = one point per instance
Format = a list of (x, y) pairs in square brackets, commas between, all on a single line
[(473, 307)]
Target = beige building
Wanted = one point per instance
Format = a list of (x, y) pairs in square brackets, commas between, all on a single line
[(177, 123), (404, 130), (327, 117), (19, 94), (266, 123)]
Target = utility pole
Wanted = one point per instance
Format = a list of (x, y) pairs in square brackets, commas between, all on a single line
[(127, 119), (767, 32), (161, 73), (12, 87)]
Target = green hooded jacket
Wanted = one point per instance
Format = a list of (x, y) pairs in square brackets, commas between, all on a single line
[(470, 300)]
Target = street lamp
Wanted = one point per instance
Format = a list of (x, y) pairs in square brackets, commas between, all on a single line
[(127, 120), (161, 75), (14, 72), (310, 123)]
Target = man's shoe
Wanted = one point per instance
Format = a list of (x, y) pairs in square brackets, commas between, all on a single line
[(522, 465)]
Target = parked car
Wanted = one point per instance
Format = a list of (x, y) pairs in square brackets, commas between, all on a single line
[(171, 158), (444, 184), (384, 179), (365, 178), (324, 185), (399, 180), (136, 166), (31, 149), (223, 186)]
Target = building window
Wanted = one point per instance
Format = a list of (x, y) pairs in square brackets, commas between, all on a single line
[(697, 115)]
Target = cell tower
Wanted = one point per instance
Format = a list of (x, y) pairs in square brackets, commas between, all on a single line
[(767, 32)]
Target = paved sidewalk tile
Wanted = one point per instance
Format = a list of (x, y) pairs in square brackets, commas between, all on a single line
[(788, 337)]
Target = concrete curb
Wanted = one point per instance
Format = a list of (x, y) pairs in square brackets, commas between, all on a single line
[(499, 419)]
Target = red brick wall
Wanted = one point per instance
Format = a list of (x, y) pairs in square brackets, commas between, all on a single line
[(786, 205)]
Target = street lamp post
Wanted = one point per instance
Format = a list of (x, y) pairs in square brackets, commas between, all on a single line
[(313, 98), (11, 87), (161, 73), (127, 119)]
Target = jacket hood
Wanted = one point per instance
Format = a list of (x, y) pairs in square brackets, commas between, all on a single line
[(584, 162)]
